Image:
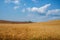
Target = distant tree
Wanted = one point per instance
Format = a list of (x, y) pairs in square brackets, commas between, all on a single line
[(30, 21)]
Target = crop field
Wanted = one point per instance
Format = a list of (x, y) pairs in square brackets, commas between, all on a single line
[(32, 31)]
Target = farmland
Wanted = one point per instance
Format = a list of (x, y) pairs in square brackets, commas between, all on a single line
[(33, 31)]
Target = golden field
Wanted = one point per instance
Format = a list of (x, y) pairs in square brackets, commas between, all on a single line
[(33, 31)]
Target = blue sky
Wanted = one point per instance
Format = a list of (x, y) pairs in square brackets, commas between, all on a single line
[(29, 10)]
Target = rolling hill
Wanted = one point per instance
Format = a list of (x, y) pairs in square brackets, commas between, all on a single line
[(5, 21)]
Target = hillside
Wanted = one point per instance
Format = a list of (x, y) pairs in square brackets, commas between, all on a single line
[(14, 22)]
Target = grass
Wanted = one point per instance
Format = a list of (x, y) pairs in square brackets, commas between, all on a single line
[(33, 31)]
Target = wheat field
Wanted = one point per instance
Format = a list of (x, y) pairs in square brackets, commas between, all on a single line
[(32, 31)]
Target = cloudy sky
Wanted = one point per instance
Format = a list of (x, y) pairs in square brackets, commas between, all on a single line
[(29, 10)]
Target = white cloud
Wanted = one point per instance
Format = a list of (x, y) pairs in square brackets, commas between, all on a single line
[(16, 2), (40, 9), (34, 9), (23, 10), (7, 1), (24, 4), (12, 1), (16, 7), (55, 11), (35, 1)]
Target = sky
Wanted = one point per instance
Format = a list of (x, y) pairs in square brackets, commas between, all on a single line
[(30, 10)]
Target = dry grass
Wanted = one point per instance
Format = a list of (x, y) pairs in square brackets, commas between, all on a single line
[(34, 31)]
